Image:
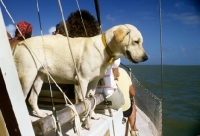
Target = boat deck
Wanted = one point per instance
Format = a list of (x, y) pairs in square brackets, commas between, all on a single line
[(101, 127), (104, 126), (144, 124)]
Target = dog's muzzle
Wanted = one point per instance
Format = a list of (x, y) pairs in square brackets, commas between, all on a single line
[(128, 55), (145, 57)]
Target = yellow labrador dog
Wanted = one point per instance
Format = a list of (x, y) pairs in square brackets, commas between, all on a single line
[(92, 55)]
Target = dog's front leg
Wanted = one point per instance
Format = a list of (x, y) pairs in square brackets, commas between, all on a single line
[(92, 88), (35, 91), (77, 93), (83, 84), (91, 91)]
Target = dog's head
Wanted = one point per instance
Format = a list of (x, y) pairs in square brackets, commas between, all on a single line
[(129, 41)]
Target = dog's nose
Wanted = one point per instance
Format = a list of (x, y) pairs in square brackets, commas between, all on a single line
[(145, 57)]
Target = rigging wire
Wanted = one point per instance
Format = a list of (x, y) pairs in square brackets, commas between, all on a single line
[(58, 128), (34, 55), (81, 18), (70, 46), (98, 14), (161, 53), (45, 68), (161, 57), (66, 31), (89, 104), (11, 18)]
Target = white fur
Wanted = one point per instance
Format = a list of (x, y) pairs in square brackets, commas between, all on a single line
[(89, 53)]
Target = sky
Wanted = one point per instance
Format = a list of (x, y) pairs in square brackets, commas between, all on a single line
[(180, 23)]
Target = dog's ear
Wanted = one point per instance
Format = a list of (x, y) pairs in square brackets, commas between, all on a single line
[(120, 33)]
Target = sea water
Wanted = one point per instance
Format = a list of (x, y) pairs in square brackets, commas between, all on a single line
[(179, 89)]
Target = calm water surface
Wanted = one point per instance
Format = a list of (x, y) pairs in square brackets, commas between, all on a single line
[(180, 91)]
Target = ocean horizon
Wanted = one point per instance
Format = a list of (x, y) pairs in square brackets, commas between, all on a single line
[(179, 88)]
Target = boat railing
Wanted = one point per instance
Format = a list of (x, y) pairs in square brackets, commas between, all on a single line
[(148, 104), (44, 125)]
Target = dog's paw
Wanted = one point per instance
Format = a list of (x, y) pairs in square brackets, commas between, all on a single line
[(86, 123), (95, 116), (41, 114), (89, 94)]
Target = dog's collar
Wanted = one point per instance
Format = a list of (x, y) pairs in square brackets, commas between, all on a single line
[(109, 52), (103, 40)]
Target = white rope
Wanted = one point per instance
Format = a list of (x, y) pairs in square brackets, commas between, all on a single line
[(73, 58), (89, 112), (81, 17), (29, 48), (51, 94), (54, 114), (77, 119), (88, 108), (19, 29), (95, 102), (54, 121), (12, 18), (66, 31), (86, 118)]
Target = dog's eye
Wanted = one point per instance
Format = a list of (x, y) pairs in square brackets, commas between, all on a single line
[(137, 41)]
